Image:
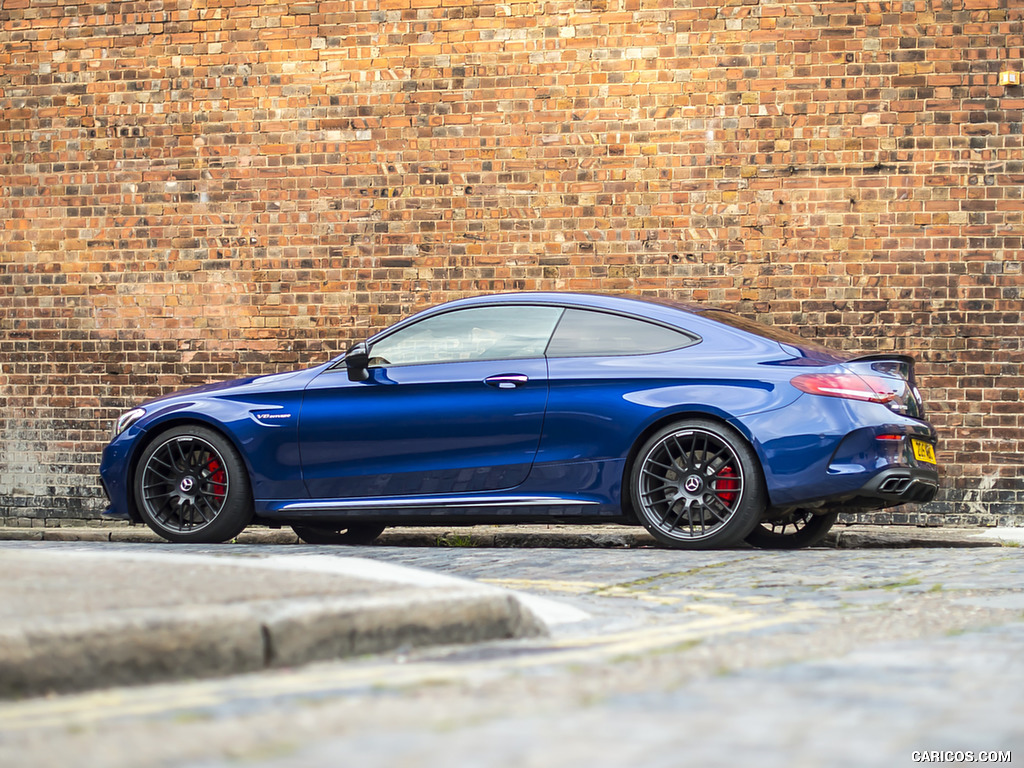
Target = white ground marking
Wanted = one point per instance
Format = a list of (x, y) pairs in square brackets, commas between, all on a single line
[(1015, 535)]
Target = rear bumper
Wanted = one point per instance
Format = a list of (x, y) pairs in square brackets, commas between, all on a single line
[(884, 472), (899, 485), (845, 454), (904, 485), (886, 488)]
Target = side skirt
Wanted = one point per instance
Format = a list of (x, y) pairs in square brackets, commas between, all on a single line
[(434, 510)]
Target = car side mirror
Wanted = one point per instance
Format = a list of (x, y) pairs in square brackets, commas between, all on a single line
[(357, 360)]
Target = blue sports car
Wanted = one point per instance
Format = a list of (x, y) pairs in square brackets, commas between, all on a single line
[(706, 428)]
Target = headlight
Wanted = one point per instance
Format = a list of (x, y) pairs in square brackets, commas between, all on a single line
[(127, 419)]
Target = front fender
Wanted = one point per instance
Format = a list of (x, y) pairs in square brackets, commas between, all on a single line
[(264, 431)]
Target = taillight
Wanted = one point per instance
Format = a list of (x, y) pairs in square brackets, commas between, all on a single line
[(848, 385)]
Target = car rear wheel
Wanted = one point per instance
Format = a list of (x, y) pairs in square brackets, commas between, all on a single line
[(697, 484), (192, 486), (360, 533), (796, 530)]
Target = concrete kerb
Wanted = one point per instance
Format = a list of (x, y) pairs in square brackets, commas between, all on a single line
[(149, 646), (85, 650)]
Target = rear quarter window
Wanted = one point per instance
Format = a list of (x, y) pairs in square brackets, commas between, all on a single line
[(583, 333)]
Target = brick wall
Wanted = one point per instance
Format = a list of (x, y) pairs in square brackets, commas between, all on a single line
[(193, 190)]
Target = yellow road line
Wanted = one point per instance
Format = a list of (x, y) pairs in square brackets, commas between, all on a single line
[(657, 596), (601, 589), (549, 585)]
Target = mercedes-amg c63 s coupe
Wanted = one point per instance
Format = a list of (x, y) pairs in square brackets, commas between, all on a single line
[(706, 428)]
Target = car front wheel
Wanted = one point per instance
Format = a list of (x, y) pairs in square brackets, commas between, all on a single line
[(697, 484), (192, 486)]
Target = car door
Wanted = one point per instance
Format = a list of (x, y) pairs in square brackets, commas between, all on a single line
[(453, 403)]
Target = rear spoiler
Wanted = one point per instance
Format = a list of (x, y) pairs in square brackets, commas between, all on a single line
[(883, 356), (887, 357)]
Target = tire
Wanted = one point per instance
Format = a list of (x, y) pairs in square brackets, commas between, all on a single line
[(697, 484), (191, 486), (355, 535), (799, 529)]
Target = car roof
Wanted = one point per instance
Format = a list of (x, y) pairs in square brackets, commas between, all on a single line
[(659, 309), (663, 310), (643, 306)]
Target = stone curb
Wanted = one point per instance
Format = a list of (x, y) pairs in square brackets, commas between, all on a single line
[(523, 537), (146, 646), (926, 538)]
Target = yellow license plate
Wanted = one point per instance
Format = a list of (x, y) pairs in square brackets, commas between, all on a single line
[(923, 451)]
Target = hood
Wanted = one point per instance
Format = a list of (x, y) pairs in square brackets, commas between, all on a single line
[(232, 386)]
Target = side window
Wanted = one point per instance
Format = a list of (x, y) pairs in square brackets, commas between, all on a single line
[(582, 333), (476, 333)]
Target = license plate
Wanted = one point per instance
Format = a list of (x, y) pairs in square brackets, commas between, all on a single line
[(923, 451)]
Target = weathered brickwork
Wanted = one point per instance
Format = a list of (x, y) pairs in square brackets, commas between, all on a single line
[(194, 190)]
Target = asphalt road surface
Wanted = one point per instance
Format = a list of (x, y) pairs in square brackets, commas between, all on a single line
[(655, 658)]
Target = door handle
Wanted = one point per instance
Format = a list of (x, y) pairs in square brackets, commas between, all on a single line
[(507, 380)]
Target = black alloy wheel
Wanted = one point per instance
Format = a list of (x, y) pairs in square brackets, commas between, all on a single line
[(798, 529), (191, 486), (355, 535), (697, 484)]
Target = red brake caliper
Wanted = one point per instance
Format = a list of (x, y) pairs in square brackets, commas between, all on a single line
[(218, 479), (726, 485)]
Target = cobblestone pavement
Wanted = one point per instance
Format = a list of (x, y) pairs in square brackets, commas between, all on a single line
[(658, 658)]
